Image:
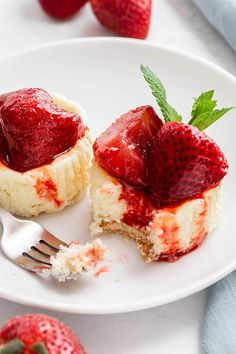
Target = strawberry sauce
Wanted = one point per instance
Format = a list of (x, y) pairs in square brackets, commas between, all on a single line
[(171, 258), (33, 130), (140, 212), (139, 206), (101, 271), (47, 189)]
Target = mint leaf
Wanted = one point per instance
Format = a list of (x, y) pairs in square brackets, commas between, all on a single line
[(203, 104), (203, 111), (159, 92), (204, 120)]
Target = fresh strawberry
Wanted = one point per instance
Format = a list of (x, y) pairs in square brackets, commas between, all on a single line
[(129, 18), (33, 131), (38, 334), (123, 148), (183, 163), (62, 9)]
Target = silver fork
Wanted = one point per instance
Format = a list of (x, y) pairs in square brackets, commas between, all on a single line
[(28, 244)]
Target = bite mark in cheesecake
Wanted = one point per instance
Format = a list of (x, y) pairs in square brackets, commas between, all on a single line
[(163, 234)]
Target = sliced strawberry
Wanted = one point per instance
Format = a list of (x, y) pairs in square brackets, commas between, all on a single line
[(62, 9), (33, 131), (183, 163), (39, 331), (129, 18), (123, 148)]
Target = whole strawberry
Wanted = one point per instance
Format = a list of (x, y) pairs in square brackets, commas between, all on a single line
[(40, 334), (183, 161), (62, 9), (129, 18)]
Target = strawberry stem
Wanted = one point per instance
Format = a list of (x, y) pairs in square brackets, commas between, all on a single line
[(39, 348), (15, 346)]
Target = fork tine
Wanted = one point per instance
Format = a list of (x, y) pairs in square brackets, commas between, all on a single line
[(52, 241), (27, 255), (37, 256), (44, 249), (30, 265)]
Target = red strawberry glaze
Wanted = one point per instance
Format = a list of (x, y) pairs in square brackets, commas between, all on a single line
[(196, 241), (33, 130), (139, 206), (167, 229), (123, 149), (140, 211), (171, 258), (101, 271), (47, 189)]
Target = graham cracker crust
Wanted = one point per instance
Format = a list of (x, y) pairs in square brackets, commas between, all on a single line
[(145, 246)]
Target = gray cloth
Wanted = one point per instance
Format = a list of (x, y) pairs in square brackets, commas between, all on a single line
[(219, 327), (222, 15)]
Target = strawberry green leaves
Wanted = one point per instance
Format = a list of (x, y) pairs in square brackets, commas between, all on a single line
[(15, 346), (204, 112), (159, 92), (39, 348)]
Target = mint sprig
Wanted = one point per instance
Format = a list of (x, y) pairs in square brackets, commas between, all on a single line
[(204, 112), (159, 92)]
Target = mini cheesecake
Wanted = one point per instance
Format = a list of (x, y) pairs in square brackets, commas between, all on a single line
[(160, 234), (46, 152), (158, 181)]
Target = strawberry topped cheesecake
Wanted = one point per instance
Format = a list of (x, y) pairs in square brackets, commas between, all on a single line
[(158, 181), (45, 152)]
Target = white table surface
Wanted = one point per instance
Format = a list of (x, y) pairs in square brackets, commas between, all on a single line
[(173, 328)]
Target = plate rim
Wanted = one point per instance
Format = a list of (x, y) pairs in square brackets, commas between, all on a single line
[(118, 309), (170, 49), (66, 307)]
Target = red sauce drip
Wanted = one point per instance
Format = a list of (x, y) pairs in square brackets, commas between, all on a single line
[(197, 240), (139, 206), (140, 212), (101, 271), (47, 189), (171, 258), (33, 130), (169, 230)]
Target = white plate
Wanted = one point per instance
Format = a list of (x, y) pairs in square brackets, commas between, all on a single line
[(103, 75)]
